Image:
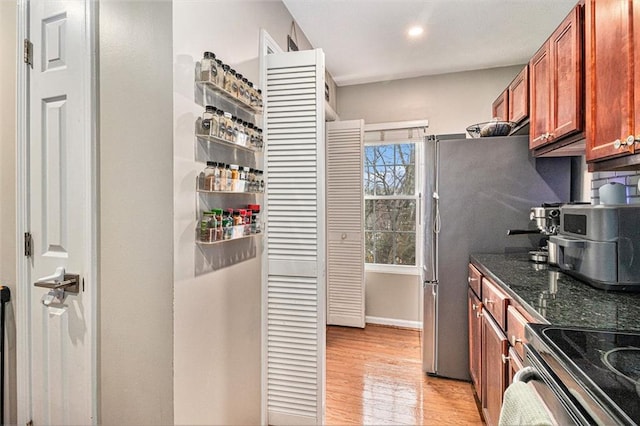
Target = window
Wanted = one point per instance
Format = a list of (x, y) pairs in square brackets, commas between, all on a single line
[(391, 199)]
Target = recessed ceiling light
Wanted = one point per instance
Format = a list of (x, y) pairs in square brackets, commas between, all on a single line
[(415, 31)]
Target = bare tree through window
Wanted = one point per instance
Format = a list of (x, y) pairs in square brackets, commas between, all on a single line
[(390, 204)]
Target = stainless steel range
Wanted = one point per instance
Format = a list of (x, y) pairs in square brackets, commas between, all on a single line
[(594, 375)]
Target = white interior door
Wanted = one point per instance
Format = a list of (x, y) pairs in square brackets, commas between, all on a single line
[(345, 224), (294, 259), (60, 211)]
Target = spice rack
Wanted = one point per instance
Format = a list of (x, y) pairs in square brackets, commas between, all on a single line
[(230, 148), (215, 139), (230, 97)]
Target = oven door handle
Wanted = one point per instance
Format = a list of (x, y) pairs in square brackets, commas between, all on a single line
[(526, 374)]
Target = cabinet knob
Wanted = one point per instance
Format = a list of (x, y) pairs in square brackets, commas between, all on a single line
[(479, 314), (488, 301), (515, 340), (505, 358), (474, 306), (617, 144), (470, 280)]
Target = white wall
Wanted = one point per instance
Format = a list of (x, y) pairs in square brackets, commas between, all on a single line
[(8, 46), (136, 213), (450, 102), (217, 350)]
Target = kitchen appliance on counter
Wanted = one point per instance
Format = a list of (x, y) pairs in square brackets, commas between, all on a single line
[(477, 188), (600, 245), (547, 221), (593, 376)]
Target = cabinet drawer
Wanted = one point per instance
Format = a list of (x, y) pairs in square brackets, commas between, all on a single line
[(515, 329), (475, 280), (495, 301)]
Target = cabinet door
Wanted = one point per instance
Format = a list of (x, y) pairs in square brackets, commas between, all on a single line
[(500, 107), (540, 93), (565, 46), (494, 368), (519, 96), (515, 364), (609, 76), (475, 348)]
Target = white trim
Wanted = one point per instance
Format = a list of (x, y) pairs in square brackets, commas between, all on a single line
[(392, 269), (396, 125), (23, 366), (416, 325)]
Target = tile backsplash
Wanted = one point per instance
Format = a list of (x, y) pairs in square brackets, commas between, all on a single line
[(629, 179)]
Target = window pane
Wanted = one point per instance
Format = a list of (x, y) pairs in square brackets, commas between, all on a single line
[(390, 231), (405, 248), (369, 181), (406, 215)]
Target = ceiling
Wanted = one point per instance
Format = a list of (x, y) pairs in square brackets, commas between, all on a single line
[(365, 40)]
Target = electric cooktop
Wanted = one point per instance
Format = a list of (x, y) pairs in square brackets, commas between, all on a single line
[(605, 363)]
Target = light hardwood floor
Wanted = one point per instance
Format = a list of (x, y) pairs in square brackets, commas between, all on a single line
[(374, 376)]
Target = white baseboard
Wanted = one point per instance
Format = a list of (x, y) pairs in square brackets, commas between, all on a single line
[(417, 325)]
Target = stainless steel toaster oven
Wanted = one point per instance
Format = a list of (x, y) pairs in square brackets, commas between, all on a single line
[(600, 245)]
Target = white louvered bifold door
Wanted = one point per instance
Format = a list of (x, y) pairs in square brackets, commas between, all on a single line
[(345, 212), (294, 276)]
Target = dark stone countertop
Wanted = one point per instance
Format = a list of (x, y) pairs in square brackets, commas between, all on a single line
[(553, 297)]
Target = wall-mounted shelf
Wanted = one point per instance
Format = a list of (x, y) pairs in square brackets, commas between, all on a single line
[(237, 101), (202, 243), (205, 191), (221, 141)]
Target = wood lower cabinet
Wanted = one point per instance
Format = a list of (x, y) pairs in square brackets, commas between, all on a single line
[(612, 55), (556, 86), (496, 341), (475, 343), (500, 107), (495, 349)]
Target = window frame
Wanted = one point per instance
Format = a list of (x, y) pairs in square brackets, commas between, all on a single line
[(416, 197)]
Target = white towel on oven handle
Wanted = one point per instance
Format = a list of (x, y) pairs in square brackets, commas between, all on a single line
[(522, 406)]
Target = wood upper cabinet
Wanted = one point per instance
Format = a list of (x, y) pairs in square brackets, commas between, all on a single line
[(475, 344), (494, 368), (519, 96), (612, 54), (500, 107), (556, 84)]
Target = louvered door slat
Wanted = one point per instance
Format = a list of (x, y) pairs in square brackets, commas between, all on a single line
[(295, 234), (345, 244)]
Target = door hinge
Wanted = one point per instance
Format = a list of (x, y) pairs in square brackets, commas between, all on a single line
[(28, 52), (28, 244), (29, 423)]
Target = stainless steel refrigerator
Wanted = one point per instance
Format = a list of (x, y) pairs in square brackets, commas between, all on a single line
[(475, 190)]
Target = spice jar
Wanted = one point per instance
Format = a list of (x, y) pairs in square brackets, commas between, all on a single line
[(226, 78), (234, 83), (227, 224), (255, 218), (259, 98), (206, 65), (207, 227), (228, 182), (245, 96), (209, 177), (229, 122), (219, 73), (221, 124), (245, 178), (259, 140), (217, 176), (235, 174), (241, 86), (209, 123), (219, 229)]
